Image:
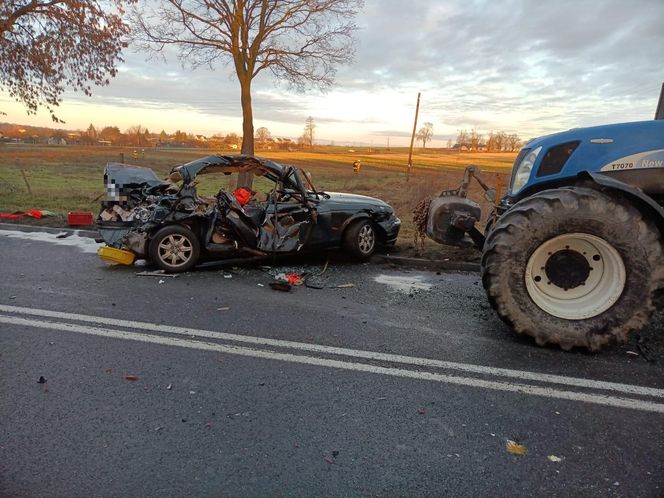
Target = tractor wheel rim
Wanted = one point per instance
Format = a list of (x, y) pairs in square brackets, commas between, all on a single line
[(366, 239), (575, 276), (175, 250)]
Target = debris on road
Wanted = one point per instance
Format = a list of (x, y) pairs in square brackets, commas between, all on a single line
[(41, 380), (515, 448), (161, 281), (345, 286), (328, 459), (294, 279), (554, 458), (314, 283), (228, 275), (223, 308), (117, 256), (131, 377), (280, 286), (421, 411), (157, 273), (64, 235), (169, 387)]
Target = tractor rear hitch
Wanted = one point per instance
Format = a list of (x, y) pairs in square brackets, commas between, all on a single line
[(452, 217)]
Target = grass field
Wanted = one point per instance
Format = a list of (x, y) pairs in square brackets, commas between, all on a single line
[(70, 178)]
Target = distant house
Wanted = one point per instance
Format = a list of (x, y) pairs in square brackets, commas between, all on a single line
[(105, 143), (56, 141)]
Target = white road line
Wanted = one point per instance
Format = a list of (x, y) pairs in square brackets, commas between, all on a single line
[(331, 350), (613, 401)]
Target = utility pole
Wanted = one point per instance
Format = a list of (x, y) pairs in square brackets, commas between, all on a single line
[(412, 138)]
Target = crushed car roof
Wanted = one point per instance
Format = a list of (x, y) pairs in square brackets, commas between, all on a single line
[(126, 174), (226, 164)]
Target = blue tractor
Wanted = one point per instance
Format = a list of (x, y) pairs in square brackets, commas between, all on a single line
[(573, 255)]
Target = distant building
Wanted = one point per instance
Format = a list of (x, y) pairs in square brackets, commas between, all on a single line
[(462, 147)]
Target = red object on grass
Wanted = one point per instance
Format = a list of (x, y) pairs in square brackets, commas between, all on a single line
[(79, 218), (34, 213)]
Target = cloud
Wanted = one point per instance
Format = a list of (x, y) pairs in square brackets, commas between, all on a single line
[(522, 66)]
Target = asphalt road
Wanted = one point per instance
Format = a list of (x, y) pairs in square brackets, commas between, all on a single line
[(405, 384)]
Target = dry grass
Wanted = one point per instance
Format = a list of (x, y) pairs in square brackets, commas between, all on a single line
[(65, 179)]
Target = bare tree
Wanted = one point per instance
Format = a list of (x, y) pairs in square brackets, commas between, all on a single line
[(513, 142), (308, 135), (476, 140), (47, 46), (135, 134), (462, 139), (298, 41), (92, 132), (262, 136), (425, 134)]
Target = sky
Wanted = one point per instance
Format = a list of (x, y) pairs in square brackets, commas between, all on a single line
[(522, 66)]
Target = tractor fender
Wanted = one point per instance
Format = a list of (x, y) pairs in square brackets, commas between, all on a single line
[(642, 201)]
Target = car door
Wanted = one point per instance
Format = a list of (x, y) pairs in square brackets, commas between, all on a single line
[(289, 217)]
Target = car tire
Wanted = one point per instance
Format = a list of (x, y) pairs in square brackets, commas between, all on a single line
[(574, 267), (174, 249), (360, 239)]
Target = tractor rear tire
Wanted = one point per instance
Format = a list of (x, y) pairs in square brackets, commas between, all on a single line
[(574, 267)]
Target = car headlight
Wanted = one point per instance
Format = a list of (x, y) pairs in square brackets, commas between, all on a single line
[(523, 170)]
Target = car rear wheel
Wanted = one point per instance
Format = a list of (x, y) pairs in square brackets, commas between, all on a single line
[(360, 239), (174, 249)]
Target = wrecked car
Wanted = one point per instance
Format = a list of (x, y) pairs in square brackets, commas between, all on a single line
[(175, 225)]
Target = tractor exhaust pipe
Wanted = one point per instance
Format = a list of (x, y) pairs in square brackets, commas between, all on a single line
[(659, 113)]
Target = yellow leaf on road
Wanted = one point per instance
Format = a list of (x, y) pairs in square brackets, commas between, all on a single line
[(515, 448)]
